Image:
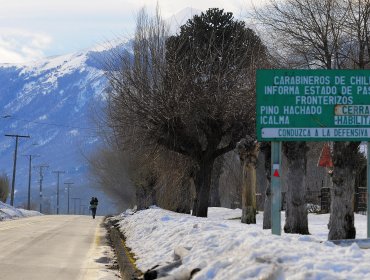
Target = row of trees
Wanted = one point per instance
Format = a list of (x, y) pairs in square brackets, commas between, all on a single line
[(178, 103), (329, 34), (187, 95)]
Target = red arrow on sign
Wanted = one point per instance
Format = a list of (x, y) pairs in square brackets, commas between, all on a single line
[(276, 173)]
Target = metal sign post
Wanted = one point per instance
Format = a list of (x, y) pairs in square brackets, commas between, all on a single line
[(275, 188)]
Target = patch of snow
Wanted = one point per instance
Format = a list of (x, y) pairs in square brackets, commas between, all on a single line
[(48, 139), (63, 63), (224, 248), (5, 146), (43, 118), (101, 263), (93, 140), (73, 132), (8, 212)]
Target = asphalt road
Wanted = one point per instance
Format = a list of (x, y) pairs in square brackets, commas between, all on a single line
[(50, 247)]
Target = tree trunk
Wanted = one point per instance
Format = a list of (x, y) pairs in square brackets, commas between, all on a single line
[(296, 220), (267, 207), (265, 148), (214, 198), (184, 202), (202, 188), (249, 192), (146, 194), (248, 152), (346, 161)]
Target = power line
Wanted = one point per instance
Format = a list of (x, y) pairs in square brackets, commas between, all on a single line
[(68, 186), (58, 172), (74, 203), (83, 209), (29, 180), (52, 124), (41, 179)]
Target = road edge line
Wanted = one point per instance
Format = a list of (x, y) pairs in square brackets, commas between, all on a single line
[(125, 259)]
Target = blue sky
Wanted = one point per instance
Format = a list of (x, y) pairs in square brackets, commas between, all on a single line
[(32, 29)]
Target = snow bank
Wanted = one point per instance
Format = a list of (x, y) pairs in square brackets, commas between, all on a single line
[(8, 212), (227, 249)]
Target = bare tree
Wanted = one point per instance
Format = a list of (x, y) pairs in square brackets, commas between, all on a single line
[(4, 187), (132, 174), (192, 93), (341, 223), (316, 32), (309, 31), (231, 181), (175, 184), (214, 197), (248, 152), (265, 148), (296, 211), (109, 169), (347, 161), (356, 27)]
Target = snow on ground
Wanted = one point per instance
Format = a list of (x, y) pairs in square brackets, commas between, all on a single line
[(224, 248), (101, 262), (8, 212), (108, 269)]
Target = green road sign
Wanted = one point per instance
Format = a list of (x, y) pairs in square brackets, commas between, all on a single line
[(313, 105)]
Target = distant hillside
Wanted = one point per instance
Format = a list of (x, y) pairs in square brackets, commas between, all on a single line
[(52, 101)]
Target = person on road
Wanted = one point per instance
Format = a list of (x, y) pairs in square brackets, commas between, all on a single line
[(93, 205)]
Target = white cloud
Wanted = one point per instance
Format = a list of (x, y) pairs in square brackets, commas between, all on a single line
[(9, 56), (17, 45), (38, 28)]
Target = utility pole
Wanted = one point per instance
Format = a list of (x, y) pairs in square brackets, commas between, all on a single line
[(68, 186), (83, 209), (41, 179), (58, 172), (29, 180), (74, 203), (15, 163)]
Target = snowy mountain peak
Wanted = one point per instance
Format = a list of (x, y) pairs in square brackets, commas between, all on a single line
[(52, 101), (63, 64), (180, 18)]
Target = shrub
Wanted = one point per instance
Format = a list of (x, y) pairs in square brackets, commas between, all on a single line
[(4, 187)]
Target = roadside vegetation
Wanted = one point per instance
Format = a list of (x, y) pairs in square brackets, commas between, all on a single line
[(181, 112), (4, 187)]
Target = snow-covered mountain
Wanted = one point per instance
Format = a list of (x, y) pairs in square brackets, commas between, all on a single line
[(52, 101), (180, 18)]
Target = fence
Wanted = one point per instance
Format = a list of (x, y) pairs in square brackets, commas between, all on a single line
[(325, 200), (322, 198), (360, 200)]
